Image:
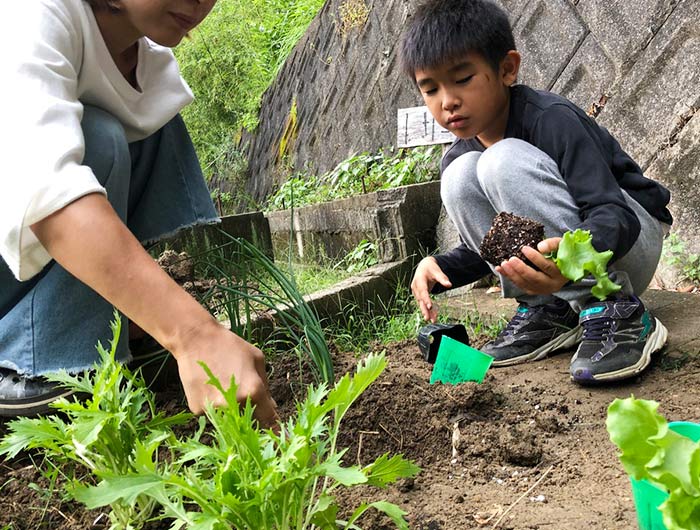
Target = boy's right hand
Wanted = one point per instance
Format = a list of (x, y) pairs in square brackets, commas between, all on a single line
[(427, 274)]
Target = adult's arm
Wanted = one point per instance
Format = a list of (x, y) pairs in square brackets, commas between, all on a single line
[(89, 240)]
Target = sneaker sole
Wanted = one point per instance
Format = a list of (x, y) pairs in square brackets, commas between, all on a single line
[(565, 340), (654, 343), (14, 408)]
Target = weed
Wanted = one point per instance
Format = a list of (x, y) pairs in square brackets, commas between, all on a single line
[(363, 256), (363, 173), (353, 14), (675, 253)]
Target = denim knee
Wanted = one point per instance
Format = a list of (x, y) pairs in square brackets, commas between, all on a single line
[(107, 154)]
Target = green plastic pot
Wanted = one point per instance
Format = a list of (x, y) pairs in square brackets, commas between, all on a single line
[(647, 496)]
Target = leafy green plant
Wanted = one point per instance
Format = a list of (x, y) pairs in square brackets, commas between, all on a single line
[(652, 451), (249, 289), (114, 431), (242, 477), (576, 258), (363, 173), (230, 60), (363, 256), (676, 254)]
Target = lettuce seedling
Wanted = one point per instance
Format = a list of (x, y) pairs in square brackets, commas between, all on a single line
[(576, 258), (653, 452)]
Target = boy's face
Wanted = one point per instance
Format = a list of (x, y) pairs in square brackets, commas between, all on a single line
[(468, 97)]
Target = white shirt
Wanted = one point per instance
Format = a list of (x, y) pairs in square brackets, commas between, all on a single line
[(53, 60)]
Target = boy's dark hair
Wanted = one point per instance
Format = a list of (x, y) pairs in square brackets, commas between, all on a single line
[(445, 30)]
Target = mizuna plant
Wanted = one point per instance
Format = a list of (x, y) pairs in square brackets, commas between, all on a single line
[(114, 431), (652, 451), (227, 475), (241, 477), (576, 258)]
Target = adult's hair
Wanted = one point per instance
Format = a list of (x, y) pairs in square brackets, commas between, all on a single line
[(445, 30)]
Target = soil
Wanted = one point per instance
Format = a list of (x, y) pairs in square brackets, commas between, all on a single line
[(526, 449), (508, 234)]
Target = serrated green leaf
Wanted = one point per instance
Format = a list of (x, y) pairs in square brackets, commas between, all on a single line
[(387, 470), (117, 488), (325, 512)]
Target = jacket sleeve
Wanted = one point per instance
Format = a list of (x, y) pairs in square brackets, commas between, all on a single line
[(571, 141), (40, 56), (462, 266)]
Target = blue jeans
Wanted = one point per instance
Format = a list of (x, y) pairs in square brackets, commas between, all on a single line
[(515, 176), (155, 185)]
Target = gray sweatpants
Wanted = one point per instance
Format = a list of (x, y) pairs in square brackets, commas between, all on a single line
[(515, 176)]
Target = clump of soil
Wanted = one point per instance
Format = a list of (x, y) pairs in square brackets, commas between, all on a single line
[(508, 234)]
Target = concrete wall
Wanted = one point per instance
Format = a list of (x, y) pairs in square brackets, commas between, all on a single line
[(401, 221), (638, 57)]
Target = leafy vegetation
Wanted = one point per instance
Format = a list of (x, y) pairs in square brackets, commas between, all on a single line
[(676, 254), (228, 474), (249, 289), (363, 173), (230, 60), (576, 258), (116, 430), (652, 451)]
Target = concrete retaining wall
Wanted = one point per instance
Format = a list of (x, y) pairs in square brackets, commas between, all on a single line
[(402, 221)]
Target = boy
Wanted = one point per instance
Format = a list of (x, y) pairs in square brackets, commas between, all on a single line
[(537, 155)]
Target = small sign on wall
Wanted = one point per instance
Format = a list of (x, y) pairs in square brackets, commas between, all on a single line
[(418, 127)]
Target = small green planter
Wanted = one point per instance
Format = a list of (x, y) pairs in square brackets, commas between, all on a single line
[(458, 363), (647, 496)]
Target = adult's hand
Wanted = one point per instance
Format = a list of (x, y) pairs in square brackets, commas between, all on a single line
[(547, 280), (226, 355), (427, 274)]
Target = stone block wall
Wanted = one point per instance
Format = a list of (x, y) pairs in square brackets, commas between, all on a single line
[(634, 61)]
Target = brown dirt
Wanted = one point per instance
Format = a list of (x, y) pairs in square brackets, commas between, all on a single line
[(532, 450)]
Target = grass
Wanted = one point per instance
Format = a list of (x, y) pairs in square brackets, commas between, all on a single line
[(312, 278)]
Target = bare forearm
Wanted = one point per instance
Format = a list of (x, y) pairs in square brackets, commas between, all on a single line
[(89, 240)]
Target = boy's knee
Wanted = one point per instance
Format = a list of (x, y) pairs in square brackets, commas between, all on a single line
[(459, 177), (106, 146), (506, 163)]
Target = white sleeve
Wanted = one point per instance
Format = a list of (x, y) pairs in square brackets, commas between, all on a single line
[(43, 145)]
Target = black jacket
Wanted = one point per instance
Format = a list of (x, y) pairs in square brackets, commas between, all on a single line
[(593, 165)]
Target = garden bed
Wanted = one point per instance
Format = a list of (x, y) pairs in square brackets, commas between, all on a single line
[(532, 450)]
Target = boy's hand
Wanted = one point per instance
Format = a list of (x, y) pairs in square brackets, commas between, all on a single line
[(547, 280), (427, 274)]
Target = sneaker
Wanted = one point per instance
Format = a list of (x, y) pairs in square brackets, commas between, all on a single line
[(619, 338), (24, 396), (534, 332)]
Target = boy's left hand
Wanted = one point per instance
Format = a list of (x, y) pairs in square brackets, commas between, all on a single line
[(547, 280)]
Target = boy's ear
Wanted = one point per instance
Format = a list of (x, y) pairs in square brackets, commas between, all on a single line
[(510, 66)]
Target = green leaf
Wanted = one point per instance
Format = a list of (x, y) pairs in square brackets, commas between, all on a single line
[(576, 257), (325, 512), (116, 488), (394, 512), (633, 424), (387, 470)]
